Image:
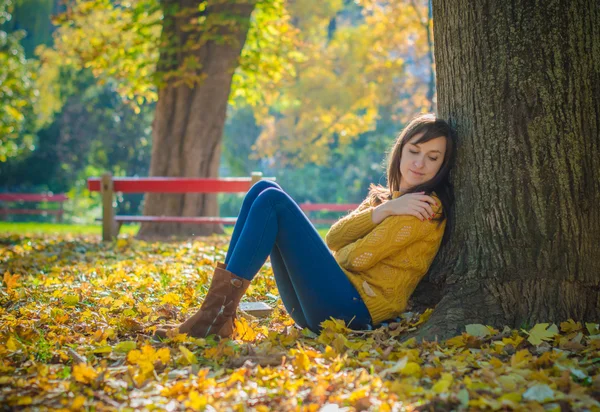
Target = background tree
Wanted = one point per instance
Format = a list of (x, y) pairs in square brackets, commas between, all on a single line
[(183, 53), (17, 91), (521, 82)]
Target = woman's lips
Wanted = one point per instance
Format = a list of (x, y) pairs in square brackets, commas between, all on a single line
[(417, 173)]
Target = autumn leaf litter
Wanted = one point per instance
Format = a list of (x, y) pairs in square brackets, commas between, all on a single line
[(77, 316)]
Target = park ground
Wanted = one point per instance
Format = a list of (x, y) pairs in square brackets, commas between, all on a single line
[(77, 316)]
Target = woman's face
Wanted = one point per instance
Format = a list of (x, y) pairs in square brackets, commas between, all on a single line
[(421, 162)]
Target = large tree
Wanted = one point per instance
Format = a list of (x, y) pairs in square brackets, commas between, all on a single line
[(521, 82), (190, 56), (189, 121)]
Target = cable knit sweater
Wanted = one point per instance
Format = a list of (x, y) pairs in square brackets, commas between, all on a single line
[(385, 261)]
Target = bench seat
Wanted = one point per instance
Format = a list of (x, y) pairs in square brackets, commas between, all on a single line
[(175, 219)]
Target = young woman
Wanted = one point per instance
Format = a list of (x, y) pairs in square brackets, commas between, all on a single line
[(372, 260)]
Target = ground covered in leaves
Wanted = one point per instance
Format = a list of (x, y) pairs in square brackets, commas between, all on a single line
[(77, 316)]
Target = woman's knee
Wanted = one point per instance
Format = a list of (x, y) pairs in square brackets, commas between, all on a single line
[(260, 187), (273, 196)]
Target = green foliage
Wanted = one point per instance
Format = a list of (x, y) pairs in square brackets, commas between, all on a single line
[(358, 67), (122, 41), (33, 16), (95, 131), (17, 92)]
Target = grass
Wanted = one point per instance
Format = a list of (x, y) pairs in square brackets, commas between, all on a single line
[(26, 228)]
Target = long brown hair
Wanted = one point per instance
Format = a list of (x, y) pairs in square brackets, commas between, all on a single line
[(431, 127)]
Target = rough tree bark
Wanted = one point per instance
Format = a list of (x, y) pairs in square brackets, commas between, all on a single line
[(188, 123), (521, 82)]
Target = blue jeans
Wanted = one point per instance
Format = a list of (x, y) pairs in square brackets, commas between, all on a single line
[(311, 284)]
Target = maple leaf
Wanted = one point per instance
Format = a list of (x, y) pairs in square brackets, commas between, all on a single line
[(244, 331), (11, 281), (541, 332), (570, 326)]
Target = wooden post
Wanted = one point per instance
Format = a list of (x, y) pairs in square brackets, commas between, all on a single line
[(256, 176), (61, 210), (108, 214)]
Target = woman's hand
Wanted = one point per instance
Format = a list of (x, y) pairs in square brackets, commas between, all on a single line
[(412, 204)]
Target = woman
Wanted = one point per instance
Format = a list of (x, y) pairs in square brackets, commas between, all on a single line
[(380, 251)]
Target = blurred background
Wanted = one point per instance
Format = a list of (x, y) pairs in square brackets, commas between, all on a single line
[(322, 89)]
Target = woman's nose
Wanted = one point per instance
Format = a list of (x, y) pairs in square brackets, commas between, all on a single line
[(419, 163)]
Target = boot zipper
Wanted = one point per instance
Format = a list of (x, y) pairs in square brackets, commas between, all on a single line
[(217, 317)]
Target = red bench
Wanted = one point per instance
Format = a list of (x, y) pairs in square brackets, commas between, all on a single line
[(107, 185), (111, 224), (7, 198)]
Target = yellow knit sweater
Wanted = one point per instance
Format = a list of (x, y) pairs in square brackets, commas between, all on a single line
[(385, 261)]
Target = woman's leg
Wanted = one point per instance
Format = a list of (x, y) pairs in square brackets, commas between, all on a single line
[(322, 288), (254, 191), (286, 289), (288, 294)]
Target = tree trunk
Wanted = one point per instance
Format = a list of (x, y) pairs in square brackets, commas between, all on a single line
[(189, 120), (520, 80)]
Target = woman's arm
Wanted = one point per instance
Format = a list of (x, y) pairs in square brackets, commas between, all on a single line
[(391, 236), (351, 227)]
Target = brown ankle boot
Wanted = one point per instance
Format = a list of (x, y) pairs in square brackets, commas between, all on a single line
[(218, 309)]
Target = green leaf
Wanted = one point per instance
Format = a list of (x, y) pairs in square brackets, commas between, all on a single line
[(463, 397), (125, 346), (481, 331)]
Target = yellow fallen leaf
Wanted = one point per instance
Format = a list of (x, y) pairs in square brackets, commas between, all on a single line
[(78, 402), (539, 333), (412, 369), (496, 363), (424, 317), (84, 373), (570, 326), (239, 375), (443, 384), (511, 397), (520, 359), (457, 341), (301, 361), (511, 382), (71, 299), (24, 400), (243, 330), (12, 344), (102, 349), (11, 281), (170, 297), (196, 401), (188, 358)]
